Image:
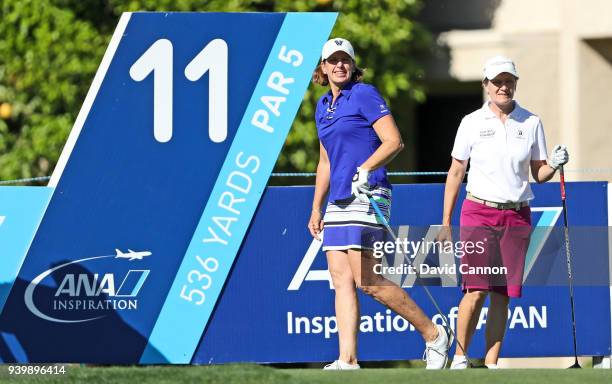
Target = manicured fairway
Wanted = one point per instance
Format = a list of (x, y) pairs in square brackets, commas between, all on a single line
[(249, 373)]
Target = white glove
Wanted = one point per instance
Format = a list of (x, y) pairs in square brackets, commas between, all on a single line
[(558, 157), (360, 186)]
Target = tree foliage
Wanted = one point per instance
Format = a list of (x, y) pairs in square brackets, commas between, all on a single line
[(50, 50), (48, 58)]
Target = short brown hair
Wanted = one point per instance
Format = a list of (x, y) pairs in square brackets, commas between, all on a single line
[(318, 77)]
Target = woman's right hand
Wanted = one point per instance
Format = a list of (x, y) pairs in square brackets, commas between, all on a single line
[(445, 235), (315, 224)]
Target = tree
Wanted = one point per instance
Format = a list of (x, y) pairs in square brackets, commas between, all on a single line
[(48, 61), (51, 49)]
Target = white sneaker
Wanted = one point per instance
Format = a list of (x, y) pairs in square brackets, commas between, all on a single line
[(459, 362), (436, 352), (491, 366), (339, 365)]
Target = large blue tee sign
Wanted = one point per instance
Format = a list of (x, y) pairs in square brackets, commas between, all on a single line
[(158, 183)]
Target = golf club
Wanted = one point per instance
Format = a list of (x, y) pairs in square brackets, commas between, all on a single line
[(431, 298), (569, 264)]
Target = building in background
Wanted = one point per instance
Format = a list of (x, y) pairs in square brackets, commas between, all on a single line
[(563, 51)]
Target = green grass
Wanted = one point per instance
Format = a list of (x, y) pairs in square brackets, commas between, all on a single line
[(470, 376), (250, 373)]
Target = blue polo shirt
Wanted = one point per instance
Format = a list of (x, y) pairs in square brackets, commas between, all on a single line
[(345, 131)]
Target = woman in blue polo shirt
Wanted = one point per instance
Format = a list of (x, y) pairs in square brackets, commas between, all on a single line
[(358, 136)]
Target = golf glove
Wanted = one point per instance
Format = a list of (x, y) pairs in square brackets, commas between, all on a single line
[(558, 156), (360, 187)]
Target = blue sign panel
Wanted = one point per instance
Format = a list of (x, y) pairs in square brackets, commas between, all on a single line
[(178, 134), (280, 289), (21, 209)]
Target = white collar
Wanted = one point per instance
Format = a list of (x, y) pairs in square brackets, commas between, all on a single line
[(489, 114)]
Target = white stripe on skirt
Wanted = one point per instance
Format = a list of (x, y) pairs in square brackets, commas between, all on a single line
[(345, 221)]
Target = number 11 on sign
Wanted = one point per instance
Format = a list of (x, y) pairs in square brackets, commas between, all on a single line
[(213, 58)]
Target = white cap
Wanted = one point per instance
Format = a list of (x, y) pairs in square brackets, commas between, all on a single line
[(335, 45), (499, 64)]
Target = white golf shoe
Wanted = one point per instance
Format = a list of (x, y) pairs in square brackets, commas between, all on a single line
[(339, 365), (459, 362), (436, 352)]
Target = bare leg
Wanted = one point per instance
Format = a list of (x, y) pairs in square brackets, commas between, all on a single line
[(496, 326), (389, 294), (467, 318), (346, 304)]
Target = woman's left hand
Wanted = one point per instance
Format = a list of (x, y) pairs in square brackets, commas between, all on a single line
[(558, 156)]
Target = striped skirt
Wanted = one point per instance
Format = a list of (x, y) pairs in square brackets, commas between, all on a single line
[(351, 224)]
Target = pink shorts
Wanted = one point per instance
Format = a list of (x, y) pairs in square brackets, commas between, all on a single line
[(500, 238)]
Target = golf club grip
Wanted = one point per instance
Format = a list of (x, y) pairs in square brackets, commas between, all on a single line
[(562, 182), (379, 212)]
